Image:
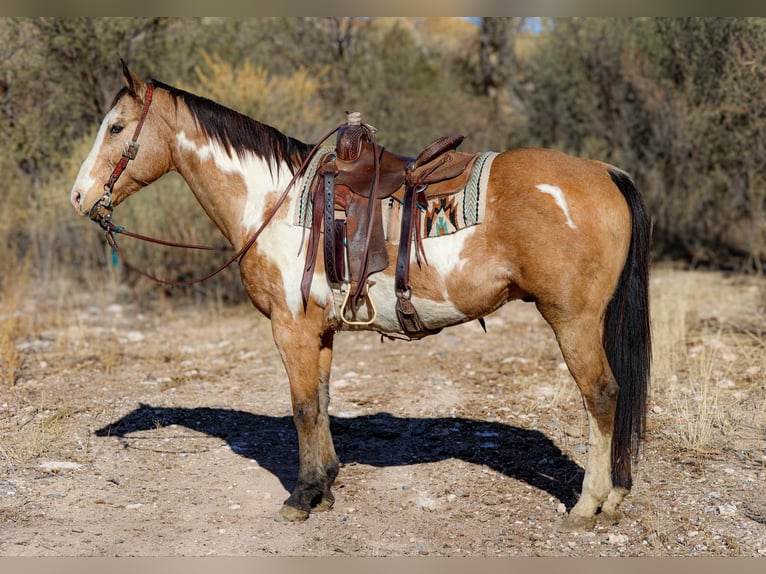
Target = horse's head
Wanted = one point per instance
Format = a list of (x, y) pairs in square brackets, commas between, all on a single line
[(107, 176)]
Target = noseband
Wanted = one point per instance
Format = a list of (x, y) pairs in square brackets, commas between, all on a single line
[(101, 212)]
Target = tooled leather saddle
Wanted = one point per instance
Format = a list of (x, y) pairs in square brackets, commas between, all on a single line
[(347, 194)]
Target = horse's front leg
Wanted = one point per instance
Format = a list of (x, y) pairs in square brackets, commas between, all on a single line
[(306, 351)]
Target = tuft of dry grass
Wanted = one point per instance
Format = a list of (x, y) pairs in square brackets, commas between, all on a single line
[(709, 360), (12, 321), (695, 402)]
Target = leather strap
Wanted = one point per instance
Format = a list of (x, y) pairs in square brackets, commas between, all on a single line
[(101, 212), (402, 274), (408, 317), (111, 229), (313, 243), (358, 290), (328, 179)]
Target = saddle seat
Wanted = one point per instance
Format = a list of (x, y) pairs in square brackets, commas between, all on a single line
[(347, 194)]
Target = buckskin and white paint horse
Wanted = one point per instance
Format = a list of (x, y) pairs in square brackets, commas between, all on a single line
[(569, 234)]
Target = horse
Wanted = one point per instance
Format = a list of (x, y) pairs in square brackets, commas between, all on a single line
[(569, 234)]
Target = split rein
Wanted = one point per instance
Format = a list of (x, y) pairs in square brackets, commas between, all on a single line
[(101, 212)]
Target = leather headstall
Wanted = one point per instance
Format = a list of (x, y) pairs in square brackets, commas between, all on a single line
[(101, 212)]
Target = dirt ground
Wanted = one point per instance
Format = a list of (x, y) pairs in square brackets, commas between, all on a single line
[(148, 428)]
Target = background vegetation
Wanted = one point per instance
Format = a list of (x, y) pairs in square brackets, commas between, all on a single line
[(674, 101)]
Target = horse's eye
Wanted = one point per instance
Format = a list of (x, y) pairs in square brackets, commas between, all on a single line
[(115, 129)]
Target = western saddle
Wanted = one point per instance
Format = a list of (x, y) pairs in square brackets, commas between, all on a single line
[(347, 195)]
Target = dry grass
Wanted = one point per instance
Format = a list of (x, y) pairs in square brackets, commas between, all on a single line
[(12, 321), (709, 356), (695, 402), (290, 103)]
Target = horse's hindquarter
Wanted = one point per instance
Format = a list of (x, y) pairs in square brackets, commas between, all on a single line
[(559, 223), (556, 229)]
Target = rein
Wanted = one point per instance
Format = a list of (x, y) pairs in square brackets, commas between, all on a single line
[(101, 212)]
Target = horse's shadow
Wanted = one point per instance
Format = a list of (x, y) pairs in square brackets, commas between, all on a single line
[(379, 439)]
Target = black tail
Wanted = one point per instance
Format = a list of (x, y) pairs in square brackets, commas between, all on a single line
[(627, 337)]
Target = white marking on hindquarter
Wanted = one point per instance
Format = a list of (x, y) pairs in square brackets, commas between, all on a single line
[(280, 241), (561, 201), (84, 181)]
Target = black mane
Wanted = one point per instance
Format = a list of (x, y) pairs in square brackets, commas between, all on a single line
[(238, 132)]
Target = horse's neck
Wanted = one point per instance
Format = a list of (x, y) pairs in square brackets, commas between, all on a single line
[(234, 191)]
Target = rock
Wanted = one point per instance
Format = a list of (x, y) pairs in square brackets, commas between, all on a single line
[(561, 508), (54, 465), (133, 337), (617, 540), (727, 509), (426, 502)]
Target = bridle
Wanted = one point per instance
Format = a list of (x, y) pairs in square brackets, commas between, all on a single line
[(101, 212)]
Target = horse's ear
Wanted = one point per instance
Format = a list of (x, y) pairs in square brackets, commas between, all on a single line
[(134, 84)]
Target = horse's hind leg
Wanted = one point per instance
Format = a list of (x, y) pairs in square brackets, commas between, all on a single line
[(583, 351), (307, 356)]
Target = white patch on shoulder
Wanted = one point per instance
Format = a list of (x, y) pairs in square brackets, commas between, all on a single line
[(561, 201), (280, 241), (259, 179)]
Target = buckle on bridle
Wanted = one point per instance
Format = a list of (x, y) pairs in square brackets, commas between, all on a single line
[(131, 149), (101, 212)]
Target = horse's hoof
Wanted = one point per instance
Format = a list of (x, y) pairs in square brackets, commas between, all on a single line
[(608, 517), (577, 523), (325, 504), (291, 514)]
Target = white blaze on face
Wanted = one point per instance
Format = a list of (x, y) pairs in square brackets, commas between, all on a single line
[(558, 196), (280, 241), (85, 180)]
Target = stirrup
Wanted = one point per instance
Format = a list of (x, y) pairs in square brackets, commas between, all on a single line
[(345, 304)]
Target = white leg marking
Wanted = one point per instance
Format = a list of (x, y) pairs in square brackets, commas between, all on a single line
[(561, 201), (597, 482)]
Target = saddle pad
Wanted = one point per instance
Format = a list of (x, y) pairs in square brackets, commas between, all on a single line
[(442, 215), (304, 207), (445, 215)]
